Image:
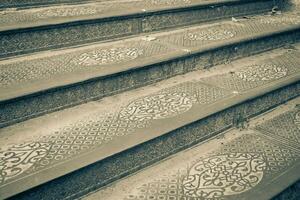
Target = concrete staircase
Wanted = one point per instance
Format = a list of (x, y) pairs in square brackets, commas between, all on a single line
[(94, 91)]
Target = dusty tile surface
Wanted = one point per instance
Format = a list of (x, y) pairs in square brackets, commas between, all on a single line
[(82, 11), (28, 148), (87, 62), (192, 38), (235, 165)]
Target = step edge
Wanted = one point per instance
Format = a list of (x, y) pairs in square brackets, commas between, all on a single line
[(125, 15), (179, 54), (219, 106)]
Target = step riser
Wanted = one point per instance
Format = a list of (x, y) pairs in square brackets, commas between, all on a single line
[(17, 42), (291, 193), (106, 171), (27, 107), (26, 3)]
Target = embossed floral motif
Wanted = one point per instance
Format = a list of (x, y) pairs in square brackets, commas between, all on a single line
[(107, 56), (210, 35), (66, 12), (20, 158), (158, 106), (297, 119), (264, 72), (279, 21), (223, 175), (101, 127)]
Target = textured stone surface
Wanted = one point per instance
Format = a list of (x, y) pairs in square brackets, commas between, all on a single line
[(236, 165), (197, 36), (10, 3), (285, 127), (39, 149), (99, 128), (157, 22), (80, 61), (86, 62), (90, 178), (41, 39), (257, 74), (36, 39)]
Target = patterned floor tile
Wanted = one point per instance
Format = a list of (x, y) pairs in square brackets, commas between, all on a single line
[(231, 171), (285, 127), (199, 36), (258, 74), (95, 58), (105, 8), (100, 128)]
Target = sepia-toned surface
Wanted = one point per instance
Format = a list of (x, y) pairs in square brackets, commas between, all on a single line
[(36, 29), (117, 66), (235, 165), (182, 99), (27, 149)]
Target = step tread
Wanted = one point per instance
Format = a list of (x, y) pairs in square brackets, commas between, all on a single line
[(265, 156), (78, 136), (40, 72), (27, 18)]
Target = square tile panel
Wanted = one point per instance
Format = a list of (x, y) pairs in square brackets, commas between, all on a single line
[(232, 171), (258, 74), (99, 128), (78, 61), (285, 127), (201, 36)]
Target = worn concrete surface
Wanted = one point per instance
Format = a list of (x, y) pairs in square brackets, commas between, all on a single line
[(258, 161), (27, 31), (50, 81), (21, 18), (32, 154)]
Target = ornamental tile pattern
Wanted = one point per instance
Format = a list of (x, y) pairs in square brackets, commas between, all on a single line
[(264, 72), (67, 11), (41, 39), (210, 34), (79, 61), (169, 2), (202, 36), (245, 163), (228, 30), (102, 127), (23, 16), (22, 42), (280, 20), (224, 175), (107, 56), (285, 127), (258, 74)]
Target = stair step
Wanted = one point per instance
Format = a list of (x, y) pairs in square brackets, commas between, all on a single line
[(49, 81), (30, 30), (257, 162), (35, 3), (69, 153)]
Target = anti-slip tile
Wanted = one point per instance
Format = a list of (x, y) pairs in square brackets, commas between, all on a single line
[(258, 73), (83, 60), (103, 9), (99, 128), (235, 167), (195, 37), (285, 127)]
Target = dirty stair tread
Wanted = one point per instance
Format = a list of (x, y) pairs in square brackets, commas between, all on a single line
[(56, 69), (60, 14), (76, 137), (265, 156), (59, 31)]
